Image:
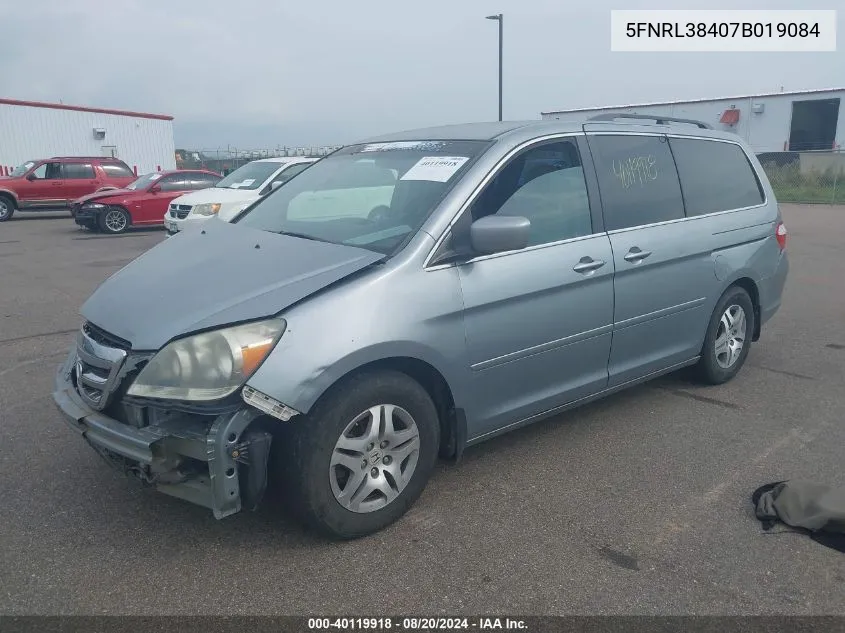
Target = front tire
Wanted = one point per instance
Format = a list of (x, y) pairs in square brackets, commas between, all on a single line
[(114, 220), (728, 338), (363, 455), (7, 208)]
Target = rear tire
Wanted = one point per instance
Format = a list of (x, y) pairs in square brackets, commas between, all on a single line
[(114, 220), (728, 338), (7, 208), (343, 484)]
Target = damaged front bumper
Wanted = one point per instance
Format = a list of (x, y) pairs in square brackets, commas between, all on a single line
[(219, 462)]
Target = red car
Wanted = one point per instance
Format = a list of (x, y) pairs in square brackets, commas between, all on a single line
[(142, 203), (53, 183)]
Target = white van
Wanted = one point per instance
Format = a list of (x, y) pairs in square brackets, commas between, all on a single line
[(237, 190)]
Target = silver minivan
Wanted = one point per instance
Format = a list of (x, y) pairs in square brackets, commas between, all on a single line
[(410, 296)]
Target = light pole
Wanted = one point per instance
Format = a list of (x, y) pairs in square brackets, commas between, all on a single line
[(501, 20)]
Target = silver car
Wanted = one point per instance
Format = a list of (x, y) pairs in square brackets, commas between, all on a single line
[(416, 294)]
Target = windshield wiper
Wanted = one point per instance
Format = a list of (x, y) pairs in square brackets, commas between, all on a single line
[(303, 236)]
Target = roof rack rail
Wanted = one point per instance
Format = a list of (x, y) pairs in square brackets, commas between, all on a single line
[(661, 120), (84, 157)]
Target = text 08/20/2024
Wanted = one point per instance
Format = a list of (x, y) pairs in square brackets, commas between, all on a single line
[(417, 623)]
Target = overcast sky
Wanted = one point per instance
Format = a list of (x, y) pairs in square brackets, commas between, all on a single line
[(262, 73)]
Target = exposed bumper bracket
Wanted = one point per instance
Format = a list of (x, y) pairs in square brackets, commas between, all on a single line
[(155, 449)]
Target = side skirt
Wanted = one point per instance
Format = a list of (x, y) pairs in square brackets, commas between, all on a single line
[(577, 403)]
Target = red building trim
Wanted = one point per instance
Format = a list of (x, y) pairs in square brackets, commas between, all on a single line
[(62, 106)]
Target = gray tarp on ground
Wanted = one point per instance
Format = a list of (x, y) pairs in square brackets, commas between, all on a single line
[(818, 508)]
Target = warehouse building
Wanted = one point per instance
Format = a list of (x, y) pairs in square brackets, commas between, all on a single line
[(30, 130), (797, 121)]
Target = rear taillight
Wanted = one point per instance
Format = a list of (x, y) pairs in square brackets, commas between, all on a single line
[(780, 235)]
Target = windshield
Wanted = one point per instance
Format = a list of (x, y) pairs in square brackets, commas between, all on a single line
[(20, 170), (250, 176), (372, 196), (143, 182)]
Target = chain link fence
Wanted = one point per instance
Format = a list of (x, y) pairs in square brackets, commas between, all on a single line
[(226, 160), (807, 177)]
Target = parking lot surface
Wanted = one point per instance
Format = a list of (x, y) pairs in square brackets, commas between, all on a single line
[(638, 504)]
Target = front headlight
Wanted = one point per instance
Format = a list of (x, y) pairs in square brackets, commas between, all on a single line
[(93, 205), (208, 366), (207, 208)]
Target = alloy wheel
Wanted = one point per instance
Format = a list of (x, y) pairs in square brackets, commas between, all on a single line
[(115, 221)]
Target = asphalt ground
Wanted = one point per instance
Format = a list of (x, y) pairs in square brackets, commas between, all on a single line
[(638, 504)]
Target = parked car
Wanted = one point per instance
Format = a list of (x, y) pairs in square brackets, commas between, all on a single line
[(52, 184), (517, 270), (141, 203), (236, 191)]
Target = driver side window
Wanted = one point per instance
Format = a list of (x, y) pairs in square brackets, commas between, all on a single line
[(546, 185), (176, 182), (48, 171)]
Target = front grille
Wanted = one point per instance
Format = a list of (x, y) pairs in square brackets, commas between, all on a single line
[(105, 338), (99, 359), (180, 211)]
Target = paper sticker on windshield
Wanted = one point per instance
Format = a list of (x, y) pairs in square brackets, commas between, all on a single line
[(435, 168), (242, 183), (418, 145)]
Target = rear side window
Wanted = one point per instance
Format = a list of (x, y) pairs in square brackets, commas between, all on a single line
[(117, 170), (715, 176), (638, 180), (78, 171)]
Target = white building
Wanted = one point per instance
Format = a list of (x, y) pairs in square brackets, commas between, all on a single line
[(31, 130), (772, 122)]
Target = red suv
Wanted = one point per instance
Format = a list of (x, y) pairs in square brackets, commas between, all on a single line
[(142, 203), (53, 183)]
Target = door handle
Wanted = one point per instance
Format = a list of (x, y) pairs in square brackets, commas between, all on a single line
[(635, 255), (56, 184), (588, 265)]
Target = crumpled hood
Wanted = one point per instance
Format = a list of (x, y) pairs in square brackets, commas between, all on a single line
[(214, 275), (109, 193)]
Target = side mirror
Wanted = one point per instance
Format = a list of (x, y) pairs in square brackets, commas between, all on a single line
[(499, 233), (31, 177), (275, 185), (155, 188)]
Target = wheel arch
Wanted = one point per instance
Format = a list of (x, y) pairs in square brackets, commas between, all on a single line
[(10, 194), (750, 286), (452, 419)]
